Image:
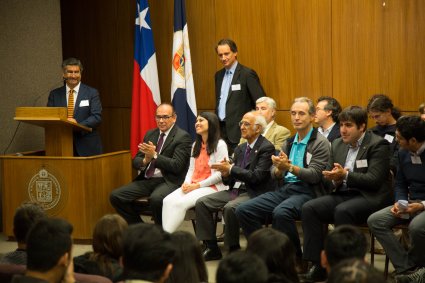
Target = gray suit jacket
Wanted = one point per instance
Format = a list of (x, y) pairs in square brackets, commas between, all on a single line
[(371, 180)]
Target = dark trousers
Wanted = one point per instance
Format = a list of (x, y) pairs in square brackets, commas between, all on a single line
[(283, 206), (122, 199), (230, 145), (339, 208)]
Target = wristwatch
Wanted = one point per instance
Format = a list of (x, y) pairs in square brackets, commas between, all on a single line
[(291, 169)]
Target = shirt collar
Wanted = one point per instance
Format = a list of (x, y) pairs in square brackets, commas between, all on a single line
[(359, 142), (76, 89), (233, 68), (305, 139)]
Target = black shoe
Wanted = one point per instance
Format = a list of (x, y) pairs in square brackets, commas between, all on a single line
[(315, 274), (212, 254)]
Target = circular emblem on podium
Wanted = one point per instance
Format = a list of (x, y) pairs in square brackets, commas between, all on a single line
[(44, 188)]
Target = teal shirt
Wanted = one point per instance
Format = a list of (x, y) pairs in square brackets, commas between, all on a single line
[(297, 155)]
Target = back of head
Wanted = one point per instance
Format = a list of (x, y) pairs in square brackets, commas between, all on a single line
[(411, 127), (355, 271), (47, 242), (345, 242), (188, 265), (147, 252), (242, 266), (26, 215), (279, 256), (107, 235)]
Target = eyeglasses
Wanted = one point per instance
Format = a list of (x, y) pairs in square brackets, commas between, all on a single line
[(163, 117)]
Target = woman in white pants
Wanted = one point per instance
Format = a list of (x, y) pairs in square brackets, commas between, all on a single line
[(200, 180)]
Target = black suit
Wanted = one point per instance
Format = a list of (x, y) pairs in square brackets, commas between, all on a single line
[(238, 102), (255, 175), (334, 133), (172, 161), (369, 191)]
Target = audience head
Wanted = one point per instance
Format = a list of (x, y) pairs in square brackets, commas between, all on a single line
[(302, 113), (381, 109), (278, 256), (266, 106), (353, 123), (227, 52), (252, 125), (188, 265), (165, 116), (355, 270), (108, 235), (327, 108), (410, 132), (242, 266), (344, 242), (148, 253), (207, 123), (49, 246), (422, 111), (26, 215)]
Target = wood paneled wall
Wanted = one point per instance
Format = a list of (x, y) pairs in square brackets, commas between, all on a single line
[(348, 49)]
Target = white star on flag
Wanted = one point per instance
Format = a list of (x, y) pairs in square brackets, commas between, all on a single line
[(142, 15)]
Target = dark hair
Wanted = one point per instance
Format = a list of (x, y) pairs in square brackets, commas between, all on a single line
[(188, 265), (213, 134), (147, 251), (355, 270), (411, 127), (26, 215), (72, 62), (344, 242), (229, 42), (382, 103), (241, 266), (48, 240), (333, 105), (168, 104), (277, 251), (355, 114), (108, 241)]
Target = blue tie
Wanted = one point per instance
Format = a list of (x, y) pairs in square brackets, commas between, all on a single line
[(224, 94)]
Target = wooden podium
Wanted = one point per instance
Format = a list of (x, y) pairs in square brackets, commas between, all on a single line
[(74, 188)]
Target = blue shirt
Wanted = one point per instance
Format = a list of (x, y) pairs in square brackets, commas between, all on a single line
[(296, 156), (225, 89)]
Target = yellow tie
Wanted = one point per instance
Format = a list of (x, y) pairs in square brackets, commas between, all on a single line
[(71, 104)]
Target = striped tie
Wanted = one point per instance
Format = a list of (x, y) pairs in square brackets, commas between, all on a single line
[(71, 104)]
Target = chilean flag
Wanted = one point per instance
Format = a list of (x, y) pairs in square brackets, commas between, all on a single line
[(146, 97), (182, 89)]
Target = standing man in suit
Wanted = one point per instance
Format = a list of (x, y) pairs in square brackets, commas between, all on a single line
[(247, 177), (83, 105), (275, 133), (163, 160), (236, 88), (358, 176), (327, 111)]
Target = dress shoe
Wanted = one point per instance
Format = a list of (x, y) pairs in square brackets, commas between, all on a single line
[(212, 254), (315, 274)]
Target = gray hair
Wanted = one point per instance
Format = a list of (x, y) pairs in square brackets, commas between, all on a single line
[(307, 100), (270, 101), (72, 62)]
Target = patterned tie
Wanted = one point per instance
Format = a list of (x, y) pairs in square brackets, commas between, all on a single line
[(71, 104), (151, 169), (246, 157)]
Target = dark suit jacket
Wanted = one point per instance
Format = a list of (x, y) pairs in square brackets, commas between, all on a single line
[(256, 173), (334, 133), (238, 101), (173, 160), (85, 143), (373, 180)]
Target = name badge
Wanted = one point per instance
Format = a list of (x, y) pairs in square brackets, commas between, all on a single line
[(361, 163), (389, 138), (308, 158), (237, 185), (236, 87), (84, 103), (416, 159)]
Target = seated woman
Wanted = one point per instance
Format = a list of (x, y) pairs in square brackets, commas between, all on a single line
[(278, 253), (107, 249), (200, 179)]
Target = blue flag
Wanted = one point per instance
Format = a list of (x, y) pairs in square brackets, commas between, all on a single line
[(182, 88)]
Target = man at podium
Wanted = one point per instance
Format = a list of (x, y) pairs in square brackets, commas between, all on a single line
[(83, 105)]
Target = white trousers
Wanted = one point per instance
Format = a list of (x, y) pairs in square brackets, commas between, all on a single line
[(176, 204)]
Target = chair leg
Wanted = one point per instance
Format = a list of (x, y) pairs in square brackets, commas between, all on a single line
[(387, 261)]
